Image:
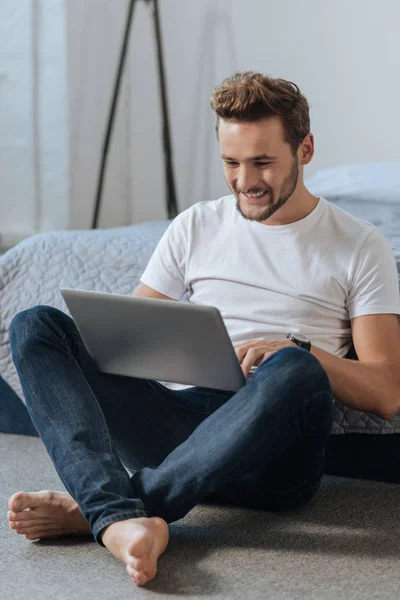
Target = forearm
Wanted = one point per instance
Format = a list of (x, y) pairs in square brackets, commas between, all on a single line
[(367, 387)]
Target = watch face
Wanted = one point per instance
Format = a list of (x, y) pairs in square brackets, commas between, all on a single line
[(301, 338)]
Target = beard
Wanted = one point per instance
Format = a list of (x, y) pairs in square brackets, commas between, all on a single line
[(288, 187)]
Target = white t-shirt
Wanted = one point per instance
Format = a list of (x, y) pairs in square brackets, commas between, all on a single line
[(308, 277)]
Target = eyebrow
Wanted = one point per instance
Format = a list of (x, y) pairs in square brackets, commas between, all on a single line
[(260, 157)]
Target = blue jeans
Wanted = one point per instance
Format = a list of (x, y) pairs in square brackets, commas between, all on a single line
[(261, 447)]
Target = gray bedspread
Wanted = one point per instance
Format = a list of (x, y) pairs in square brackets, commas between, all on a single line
[(112, 260)]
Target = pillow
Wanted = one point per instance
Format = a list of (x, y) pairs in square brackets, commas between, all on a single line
[(375, 181), (370, 191)]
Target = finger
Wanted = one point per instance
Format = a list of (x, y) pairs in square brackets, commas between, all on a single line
[(241, 352), (267, 355), (236, 345), (240, 355), (250, 343), (251, 359), (255, 345)]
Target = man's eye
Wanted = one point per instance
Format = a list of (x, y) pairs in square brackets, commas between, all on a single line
[(230, 164), (262, 164)]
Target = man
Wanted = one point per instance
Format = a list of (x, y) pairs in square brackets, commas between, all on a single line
[(276, 261)]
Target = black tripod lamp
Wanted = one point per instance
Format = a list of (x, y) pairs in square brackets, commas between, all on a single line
[(172, 209)]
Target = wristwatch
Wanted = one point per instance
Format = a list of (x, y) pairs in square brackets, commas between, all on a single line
[(300, 340)]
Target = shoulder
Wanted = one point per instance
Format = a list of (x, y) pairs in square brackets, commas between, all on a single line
[(352, 234), (346, 222)]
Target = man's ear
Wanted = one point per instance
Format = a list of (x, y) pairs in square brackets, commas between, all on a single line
[(306, 149)]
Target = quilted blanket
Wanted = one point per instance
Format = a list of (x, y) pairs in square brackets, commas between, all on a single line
[(112, 260), (33, 271)]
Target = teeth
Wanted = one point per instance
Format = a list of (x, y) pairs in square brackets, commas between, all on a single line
[(255, 195)]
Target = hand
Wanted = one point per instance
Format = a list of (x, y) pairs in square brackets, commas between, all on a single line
[(254, 352)]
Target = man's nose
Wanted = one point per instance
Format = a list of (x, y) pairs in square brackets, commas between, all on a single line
[(247, 179)]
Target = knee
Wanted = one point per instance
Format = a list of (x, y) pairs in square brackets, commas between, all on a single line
[(296, 382), (296, 370), (29, 323)]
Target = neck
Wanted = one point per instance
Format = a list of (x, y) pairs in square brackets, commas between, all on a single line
[(300, 204)]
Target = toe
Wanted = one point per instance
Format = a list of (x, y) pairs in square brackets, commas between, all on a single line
[(22, 500), (23, 526), (141, 578), (36, 533), (138, 577), (19, 528), (16, 501), (142, 564), (26, 515), (131, 571), (30, 536)]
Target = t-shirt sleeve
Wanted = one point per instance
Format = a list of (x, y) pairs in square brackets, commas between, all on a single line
[(374, 284), (165, 271)]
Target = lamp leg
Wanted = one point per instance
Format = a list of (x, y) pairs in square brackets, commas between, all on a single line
[(169, 173)]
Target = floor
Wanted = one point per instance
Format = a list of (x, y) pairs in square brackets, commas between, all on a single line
[(344, 545)]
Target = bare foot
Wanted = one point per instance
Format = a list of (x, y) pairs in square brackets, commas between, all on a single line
[(45, 514), (138, 543)]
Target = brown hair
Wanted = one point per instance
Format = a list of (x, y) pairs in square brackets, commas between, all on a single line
[(250, 96)]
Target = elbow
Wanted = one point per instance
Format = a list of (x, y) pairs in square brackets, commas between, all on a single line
[(390, 402), (386, 416), (389, 416), (391, 410)]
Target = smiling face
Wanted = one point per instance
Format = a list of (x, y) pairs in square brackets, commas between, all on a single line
[(259, 166)]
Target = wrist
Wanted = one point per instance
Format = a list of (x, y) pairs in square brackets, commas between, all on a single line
[(300, 340)]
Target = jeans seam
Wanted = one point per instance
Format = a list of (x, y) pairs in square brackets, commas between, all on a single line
[(64, 335), (209, 403), (106, 432)]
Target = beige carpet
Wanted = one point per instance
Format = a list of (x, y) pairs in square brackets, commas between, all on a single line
[(344, 545)]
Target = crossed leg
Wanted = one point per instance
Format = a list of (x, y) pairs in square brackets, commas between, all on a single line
[(142, 425)]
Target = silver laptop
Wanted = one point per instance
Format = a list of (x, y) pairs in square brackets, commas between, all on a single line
[(156, 339)]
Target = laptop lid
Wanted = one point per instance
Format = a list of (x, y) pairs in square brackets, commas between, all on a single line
[(156, 339)]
